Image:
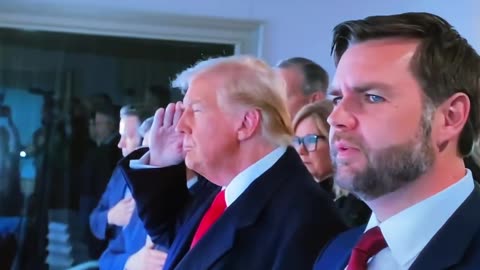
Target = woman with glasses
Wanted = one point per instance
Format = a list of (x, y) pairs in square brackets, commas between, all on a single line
[(311, 142)]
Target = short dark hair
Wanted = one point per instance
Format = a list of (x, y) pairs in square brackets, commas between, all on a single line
[(315, 77), (108, 111), (444, 63)]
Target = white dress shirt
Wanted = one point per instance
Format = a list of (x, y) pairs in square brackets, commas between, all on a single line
[(408, 232), (241, 182)]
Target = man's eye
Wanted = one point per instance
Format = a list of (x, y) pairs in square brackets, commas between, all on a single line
[(336, 100), (375, 98)]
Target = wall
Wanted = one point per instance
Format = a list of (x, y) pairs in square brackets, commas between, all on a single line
[(301, 27)]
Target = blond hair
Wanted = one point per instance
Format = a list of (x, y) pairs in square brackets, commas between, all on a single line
[(319, 112), (249, 82)]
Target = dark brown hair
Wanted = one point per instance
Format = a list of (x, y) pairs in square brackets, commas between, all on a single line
[(443, 64)]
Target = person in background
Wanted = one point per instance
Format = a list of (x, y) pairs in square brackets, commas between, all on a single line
[(11, 196), (116, 205), (311, 142), (97, 170), (406, 94), (129, 249), (306, 82)]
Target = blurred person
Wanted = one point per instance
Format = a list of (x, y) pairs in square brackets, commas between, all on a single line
[(406, 94), (311, 142), (233, 129), (306, 82), (97, 170), (10, 192), (144, 131), (116, 206)]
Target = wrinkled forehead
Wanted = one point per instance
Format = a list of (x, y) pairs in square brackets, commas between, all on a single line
[(382, 60)]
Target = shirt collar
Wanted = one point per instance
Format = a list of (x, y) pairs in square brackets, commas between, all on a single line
[(192, 181), (241, 182), (409, 231)]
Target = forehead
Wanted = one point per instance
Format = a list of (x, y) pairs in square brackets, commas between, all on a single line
[(203, 88), (291, 75), (130, 121), (384, 60)]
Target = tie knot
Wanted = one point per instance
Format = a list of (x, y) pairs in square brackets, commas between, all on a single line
[(219, 203), (371, 242)]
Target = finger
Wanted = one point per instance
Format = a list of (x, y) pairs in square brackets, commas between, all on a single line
[(169, 112), (158, 119), (178, 112)]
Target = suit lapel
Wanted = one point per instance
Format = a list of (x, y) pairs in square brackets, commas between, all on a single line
[(205, 193), (243, 213), (466, 221)]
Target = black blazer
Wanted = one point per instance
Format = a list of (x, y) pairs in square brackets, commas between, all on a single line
[(281, 221), (455, 246)]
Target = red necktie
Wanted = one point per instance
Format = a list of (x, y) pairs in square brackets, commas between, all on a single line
[(213, 213), (371, 243)]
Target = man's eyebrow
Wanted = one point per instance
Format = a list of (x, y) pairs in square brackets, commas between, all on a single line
[(335, 91)]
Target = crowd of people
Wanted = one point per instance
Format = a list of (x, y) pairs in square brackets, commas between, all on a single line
[(263, 167)]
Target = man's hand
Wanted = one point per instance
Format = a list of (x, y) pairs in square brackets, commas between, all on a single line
[(147, 258), (121, 213), (166, 144)]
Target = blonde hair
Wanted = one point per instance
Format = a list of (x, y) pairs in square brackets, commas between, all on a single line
[(250, 82), (319, 112)]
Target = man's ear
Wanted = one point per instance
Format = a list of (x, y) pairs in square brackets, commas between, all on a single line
[(453, 115), (250, 124), (317, 96)]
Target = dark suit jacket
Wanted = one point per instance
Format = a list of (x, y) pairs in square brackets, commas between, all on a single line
[(455, 246), (281, 221), (131, 240)]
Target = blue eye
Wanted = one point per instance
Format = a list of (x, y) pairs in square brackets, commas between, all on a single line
[(375, 98)]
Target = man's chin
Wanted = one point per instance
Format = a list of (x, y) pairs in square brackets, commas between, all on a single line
[(190, 161)]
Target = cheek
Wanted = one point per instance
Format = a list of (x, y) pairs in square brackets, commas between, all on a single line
[(322, 156), (389, 130)]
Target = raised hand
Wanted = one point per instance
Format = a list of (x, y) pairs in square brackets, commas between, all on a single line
[(166, 144)]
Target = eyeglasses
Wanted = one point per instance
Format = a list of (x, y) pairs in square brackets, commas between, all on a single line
[(308, 141)]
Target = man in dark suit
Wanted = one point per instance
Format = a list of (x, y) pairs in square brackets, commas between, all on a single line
[(406, 94), (263, 210)]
